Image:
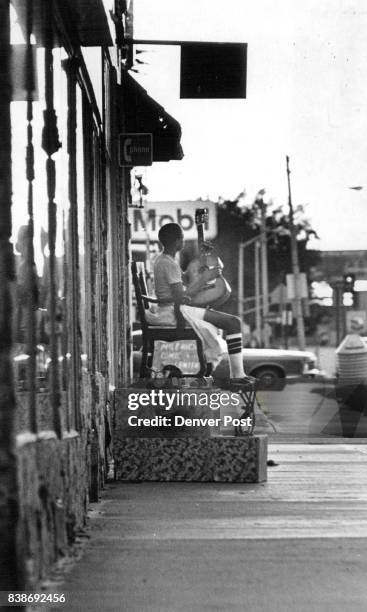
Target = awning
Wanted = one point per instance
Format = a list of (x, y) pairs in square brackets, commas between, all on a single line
[(139, 113)]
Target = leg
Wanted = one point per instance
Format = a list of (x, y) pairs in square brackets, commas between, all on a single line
[(201, 356), (150, 353), (144, 357), (229, 323), (232, 326)]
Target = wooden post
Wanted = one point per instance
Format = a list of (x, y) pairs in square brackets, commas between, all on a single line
[(71, 68), (11, 572), (51, 144)]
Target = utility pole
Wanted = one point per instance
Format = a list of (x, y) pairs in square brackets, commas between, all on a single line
[(240, 295), (295, 269)]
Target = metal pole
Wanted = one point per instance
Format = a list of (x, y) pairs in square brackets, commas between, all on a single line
[(337, 302), (344, 309), (257, 291), (281, 308), (295, 269), (241, 299), (264, 272), (178, 43), (240, 280)]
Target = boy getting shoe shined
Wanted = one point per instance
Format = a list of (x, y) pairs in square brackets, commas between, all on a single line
[(171, 289)]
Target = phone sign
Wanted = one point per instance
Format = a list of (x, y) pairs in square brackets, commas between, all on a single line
[(135, 149)]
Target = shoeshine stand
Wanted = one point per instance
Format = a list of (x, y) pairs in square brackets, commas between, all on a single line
[(196, 433)]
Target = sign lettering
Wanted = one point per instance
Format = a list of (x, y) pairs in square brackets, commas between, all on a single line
[(159, 213)]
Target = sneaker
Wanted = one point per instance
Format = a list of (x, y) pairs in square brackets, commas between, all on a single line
[(244, 381)]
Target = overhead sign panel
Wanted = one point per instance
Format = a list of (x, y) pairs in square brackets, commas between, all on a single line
[(302, 286), (213, 70)]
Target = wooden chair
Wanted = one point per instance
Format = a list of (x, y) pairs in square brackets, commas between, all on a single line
[(151, 333)]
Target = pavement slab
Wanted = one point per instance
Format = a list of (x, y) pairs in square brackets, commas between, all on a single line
[(296, 542)]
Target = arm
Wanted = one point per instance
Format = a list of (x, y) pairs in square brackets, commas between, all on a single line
[(183, 295), (179, 294)]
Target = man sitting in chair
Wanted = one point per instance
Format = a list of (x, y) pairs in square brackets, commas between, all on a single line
[(170, 289)]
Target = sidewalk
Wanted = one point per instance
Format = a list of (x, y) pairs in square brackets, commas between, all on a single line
[(296, 543)]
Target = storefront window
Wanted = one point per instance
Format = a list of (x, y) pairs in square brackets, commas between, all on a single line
[(30, 229), (49, 285)]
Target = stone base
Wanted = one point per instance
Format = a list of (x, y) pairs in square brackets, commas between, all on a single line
[(53, 493), (216, 459)]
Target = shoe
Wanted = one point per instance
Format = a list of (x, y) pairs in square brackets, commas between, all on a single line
[(244, 381)]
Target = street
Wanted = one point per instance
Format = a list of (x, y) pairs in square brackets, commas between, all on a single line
[(310, 409)]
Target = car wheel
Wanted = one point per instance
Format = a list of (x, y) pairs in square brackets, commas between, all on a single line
[(268, 378)]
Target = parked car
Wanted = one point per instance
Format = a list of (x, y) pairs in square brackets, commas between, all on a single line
[(273, 368)]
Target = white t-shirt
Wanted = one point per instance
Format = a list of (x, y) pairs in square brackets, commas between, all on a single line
[(166, 273)]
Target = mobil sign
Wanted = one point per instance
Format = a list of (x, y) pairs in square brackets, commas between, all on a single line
[(146, 222)]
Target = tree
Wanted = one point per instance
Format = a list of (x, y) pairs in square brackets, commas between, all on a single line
[(239, 222)]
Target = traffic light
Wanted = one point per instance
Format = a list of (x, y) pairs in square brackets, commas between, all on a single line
[(348, 283), (348, 289)]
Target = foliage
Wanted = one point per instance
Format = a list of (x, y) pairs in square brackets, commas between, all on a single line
[(239, 222)]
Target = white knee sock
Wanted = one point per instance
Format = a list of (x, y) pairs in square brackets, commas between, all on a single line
[(234, 343)]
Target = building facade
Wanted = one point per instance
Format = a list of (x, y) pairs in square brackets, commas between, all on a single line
[(65, 96)]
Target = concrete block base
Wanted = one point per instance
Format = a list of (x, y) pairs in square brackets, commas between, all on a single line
[(216, 459)]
